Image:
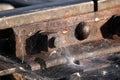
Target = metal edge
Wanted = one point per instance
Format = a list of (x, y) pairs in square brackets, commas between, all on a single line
[(45, 15), (105, 4)]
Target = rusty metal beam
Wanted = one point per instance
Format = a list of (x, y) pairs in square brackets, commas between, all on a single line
[(33, 32), (44, 15), (47, 14), (25, 33)]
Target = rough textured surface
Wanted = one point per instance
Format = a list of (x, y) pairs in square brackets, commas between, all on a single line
[(47, 46)]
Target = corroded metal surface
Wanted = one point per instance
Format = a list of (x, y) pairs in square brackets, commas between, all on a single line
[(62, 42), (30, 34), (47, 14), (43, 15)]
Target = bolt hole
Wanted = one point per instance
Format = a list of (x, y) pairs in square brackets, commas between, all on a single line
[(77, 62), (82, 31), (111, 29), (36, 43)]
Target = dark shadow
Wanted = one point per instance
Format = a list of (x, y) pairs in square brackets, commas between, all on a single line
[(36, 43), (114, 58), (77, 62), (51, 42), (111, 27), (7, 77), (95, 5), (63, 79), (7, 42), (61, 72)]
